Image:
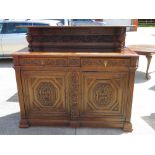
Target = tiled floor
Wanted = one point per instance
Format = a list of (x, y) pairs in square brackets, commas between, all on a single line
[(143, 111)]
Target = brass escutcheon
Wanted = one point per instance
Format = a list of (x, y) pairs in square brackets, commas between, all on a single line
[(105, 63)]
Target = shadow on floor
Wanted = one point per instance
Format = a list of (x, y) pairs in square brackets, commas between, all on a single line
[(13, 98), (9, 126), (152, 88), (98, 131), (150, 120), (140, 77), (6, 63)]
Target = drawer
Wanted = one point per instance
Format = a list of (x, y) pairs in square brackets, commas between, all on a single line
[(56, 62), (71, 62), (105, 62)]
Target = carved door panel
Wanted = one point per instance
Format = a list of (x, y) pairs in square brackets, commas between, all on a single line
[(103, 94), (45, 94)]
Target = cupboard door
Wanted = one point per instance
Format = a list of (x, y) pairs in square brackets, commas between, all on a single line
[(104, 95), (45, 94)]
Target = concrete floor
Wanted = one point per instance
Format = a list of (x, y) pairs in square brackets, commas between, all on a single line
[(143, 110)]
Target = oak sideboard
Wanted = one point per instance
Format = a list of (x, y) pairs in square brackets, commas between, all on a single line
[(76, 76)]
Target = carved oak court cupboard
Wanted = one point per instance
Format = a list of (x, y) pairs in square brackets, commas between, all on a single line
[(76, 76)]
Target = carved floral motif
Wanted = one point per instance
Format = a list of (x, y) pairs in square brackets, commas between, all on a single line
[(46, 93), (102, 94), (71, 38)]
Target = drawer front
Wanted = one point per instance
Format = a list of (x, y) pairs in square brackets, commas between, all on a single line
[(75, 62), (56, 62), (53, 62), (105, 62)]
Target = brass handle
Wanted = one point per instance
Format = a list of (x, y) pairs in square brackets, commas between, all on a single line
[(105, 63)]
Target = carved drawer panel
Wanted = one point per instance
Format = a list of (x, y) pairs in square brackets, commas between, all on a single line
[(56, 62), (75, 61), (102, 94), (104, 62)]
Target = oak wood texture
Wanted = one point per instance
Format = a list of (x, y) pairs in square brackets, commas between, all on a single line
[(148, 51), (74, 89)]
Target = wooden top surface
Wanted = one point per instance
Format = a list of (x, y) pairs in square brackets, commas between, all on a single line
[(143, 48), (83, 26), (124, 53)]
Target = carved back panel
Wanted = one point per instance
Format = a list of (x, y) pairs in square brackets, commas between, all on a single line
[(81, 39)]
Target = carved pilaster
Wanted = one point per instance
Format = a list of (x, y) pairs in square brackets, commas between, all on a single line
[(74, 95)]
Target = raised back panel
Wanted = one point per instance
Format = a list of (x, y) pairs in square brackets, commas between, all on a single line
[(81, 39)]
